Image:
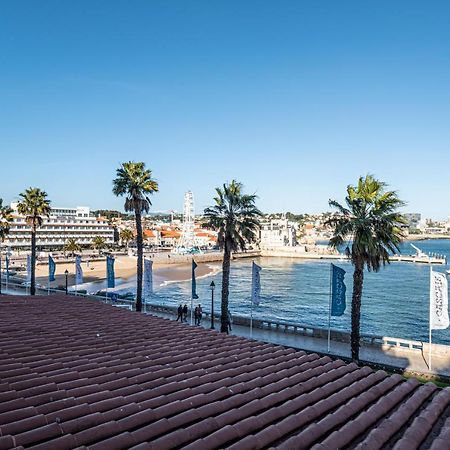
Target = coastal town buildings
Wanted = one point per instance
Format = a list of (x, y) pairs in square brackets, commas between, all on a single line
[(276, 233), (76, 223), (413, 220)]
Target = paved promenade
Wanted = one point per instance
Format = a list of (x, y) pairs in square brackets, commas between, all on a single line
[(412, 361)]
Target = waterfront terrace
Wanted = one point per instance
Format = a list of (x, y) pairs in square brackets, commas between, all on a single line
[(79, 373)]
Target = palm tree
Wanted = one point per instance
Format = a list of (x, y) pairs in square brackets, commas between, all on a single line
[(236, 219), (126, 235), (135, 182), (72, 246), (34, 206), (5, 219), (98, 243), (371, 221)]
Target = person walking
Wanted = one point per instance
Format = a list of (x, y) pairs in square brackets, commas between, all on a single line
[(185, 312), (180, 313), (230, 319), (199, 314), (196, 316)]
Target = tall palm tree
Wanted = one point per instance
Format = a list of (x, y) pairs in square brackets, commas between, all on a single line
[(34, 206), (236, 219), (72, 246), (99, 243), (126, 235), (135, 182), (371, 221), (5, 220)]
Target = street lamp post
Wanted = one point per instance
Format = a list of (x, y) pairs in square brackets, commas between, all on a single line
[(212, 286), (1, 270), (66, 273)]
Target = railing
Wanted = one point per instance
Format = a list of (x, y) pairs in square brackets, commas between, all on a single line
[(367, 340)]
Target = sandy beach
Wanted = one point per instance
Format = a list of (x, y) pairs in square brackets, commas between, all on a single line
[(125, 268)]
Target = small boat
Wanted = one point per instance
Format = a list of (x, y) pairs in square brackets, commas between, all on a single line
[(447, 272)]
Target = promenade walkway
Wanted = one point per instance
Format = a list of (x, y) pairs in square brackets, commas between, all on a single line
[(411, 361)]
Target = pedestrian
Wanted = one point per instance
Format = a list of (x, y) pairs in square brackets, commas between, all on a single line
[(199, 314), (230, 319), (180, 313), (196, 322), (185, 311)]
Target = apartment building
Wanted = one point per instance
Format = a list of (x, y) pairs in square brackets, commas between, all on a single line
[(63, 223)]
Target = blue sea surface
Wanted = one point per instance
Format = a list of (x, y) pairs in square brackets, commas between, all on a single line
[(395, 300)]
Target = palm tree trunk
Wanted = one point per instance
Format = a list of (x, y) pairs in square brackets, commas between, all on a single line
[(139, 258), (33, 262), (358, 278), (225, 283)]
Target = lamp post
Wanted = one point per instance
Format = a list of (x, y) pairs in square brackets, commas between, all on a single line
[(212, 286), (1, 270), (66, 272)]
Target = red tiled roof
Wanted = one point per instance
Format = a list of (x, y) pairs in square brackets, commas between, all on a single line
[(170, 234), (79, 373)]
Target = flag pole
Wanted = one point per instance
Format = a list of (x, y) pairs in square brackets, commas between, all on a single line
[(7, 275), (251, 317), (251, 303), (192, 294), (106, 290), (429, 345), (329, 307)]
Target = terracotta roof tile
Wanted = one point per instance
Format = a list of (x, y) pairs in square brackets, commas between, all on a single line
[(78, 373)]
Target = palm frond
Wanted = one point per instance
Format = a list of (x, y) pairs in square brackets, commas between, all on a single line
[(371, 220), (234, 216)]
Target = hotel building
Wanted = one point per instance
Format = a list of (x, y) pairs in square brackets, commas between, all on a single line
[(62, 224)]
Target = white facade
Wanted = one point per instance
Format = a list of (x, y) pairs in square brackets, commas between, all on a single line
[(63, 224), (277, 233)]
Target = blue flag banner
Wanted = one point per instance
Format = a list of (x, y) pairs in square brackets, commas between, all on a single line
[(7, 268), (148, 277), (111, 280), (256, 284), (51, 269), (338, 290), (194, 283), (78, 271)]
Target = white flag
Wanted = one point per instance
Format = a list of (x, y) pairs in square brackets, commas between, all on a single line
[(148, 277), (256, 284), (438, 301), (78, 271), (28, 268)]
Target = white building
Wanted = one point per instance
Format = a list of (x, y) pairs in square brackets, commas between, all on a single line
[(63, 224), (278, 233)]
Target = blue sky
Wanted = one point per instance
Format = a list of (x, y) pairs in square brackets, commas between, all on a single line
[(296, 99)]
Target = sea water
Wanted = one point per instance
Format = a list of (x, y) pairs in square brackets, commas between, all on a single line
[(395, 300)]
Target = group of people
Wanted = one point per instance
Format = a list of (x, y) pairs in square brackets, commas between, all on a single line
[(183, 312), (198, 314)]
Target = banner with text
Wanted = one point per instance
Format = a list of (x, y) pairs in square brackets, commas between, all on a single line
[(438, 301), (51, 269), (78, 271), (338, 290), (111, 280), (194, 283), (7, 268), (148, 277), (256, 284)]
